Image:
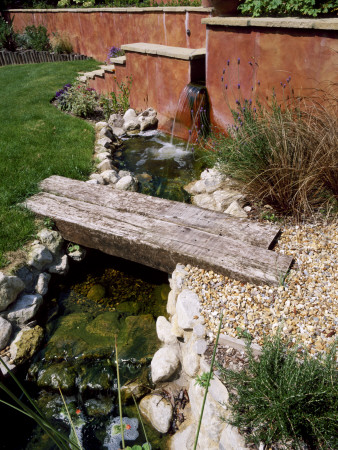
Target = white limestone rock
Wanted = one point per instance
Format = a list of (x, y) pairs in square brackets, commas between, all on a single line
[(130, 121), (116, 120), (42, 283), (190, 359), (200, 346), (24, 309), (231, 439), (176, 330), (61, 266), (224, 198), (118, 131), (199, 331), (52, 240), (100, 125), (10, 288), (184, 438), (148, 119), (171, 303), (102, 156), (215, 407), (110, 176), (105, 132), (163, 330), (39, 257), (204, 201), (235, 210), (5, 332), (104, 165), (187, 309), (104, 142), (92, 182), (158, 411), (127, 183), (78, 255), (3, 369), (98, 177), (165, 363)]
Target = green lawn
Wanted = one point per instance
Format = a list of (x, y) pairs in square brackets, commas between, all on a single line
[(36, 141)]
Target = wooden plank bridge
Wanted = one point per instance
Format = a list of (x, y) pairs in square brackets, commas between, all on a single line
[(160, 233)]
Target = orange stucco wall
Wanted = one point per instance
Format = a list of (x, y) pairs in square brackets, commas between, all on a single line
[(310, 57), (93, 33)]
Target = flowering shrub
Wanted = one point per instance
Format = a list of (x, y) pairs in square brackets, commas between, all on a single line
[(117, 103), (79, 99), (113, 52)]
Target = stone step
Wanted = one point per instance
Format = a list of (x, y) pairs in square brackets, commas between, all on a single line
[(165, 50)]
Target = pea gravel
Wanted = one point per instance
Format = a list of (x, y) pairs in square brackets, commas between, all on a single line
[(304, 306)]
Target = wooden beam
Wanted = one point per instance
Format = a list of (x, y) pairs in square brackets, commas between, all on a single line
[(156, 242), (220, 224)]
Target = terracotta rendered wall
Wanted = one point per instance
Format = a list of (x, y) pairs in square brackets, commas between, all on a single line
[(310, 57), (157, 82), (92, 33)]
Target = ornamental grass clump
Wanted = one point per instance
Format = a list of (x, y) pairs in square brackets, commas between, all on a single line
[(285, 396), (284, 149)]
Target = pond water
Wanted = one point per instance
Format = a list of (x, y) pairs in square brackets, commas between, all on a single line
[(104, 299), (162, 164), (101, 298)]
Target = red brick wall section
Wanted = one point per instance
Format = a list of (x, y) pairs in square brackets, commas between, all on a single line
[(310, 57), (93, 33)]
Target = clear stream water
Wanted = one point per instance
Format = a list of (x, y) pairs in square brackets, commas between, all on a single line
[(100, 298)]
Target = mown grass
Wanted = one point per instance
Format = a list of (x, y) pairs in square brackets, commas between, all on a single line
[(36, 141)]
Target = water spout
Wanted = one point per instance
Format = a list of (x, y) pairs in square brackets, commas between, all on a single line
[(192, 114)]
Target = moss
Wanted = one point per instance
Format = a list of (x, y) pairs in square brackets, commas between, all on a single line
[(60, 375), (28, 344)]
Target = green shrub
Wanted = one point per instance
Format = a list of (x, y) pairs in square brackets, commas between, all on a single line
[(8, 38), (37, 38), (256, 8), (117, 103), (78, 99), (286, 396)]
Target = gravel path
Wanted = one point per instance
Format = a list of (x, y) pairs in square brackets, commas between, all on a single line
[(304, 306)]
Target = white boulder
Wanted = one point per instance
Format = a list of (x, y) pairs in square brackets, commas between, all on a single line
[(10, 288), (163, 329), (158, 411), (165, 363), (24, 309), (5, 332), (188, 309)]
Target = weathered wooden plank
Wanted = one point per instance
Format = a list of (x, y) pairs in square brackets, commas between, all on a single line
[(158, 243), (257, 234)]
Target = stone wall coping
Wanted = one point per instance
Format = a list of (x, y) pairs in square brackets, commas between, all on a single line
[(270, 22), (121, 60), (165, 50), (167, 9)]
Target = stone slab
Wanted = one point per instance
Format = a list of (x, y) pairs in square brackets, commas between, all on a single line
[(187, 54), (269, 22)]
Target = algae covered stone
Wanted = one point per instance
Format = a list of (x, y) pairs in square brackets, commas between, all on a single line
[(96, 292), (26, 344), (57, 376)]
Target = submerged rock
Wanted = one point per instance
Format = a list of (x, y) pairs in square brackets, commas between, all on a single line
[(96, 292)]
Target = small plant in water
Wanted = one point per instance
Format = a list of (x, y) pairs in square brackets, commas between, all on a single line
[(73, 247)]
